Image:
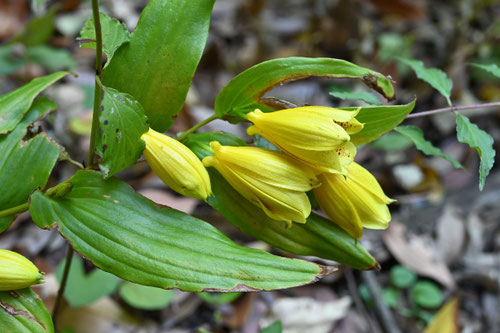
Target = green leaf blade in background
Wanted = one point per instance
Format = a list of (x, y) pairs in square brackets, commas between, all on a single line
[(416, 135), (378, 120), (84, 289), (344, 93), (243, 94), (491, 68), (50, 58), (15, 104), (146, 297), (433, 76), (25, 165), (22, 311), (38, 30), (318, 237), (125, 234), (158, 64), (481, 141), (122, 122), (114, 34)]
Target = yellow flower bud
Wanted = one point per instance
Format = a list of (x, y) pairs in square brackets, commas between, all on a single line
[(269, 179), (17, 272), (354, 201), (315, 135), (176, 165)]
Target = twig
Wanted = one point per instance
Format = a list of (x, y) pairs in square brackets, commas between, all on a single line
[(453, 108), (62, 287), (14, 210), (195, 127), (383, 311)]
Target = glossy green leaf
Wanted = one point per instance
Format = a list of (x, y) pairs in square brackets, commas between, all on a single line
[(402, 277), (146, 297), (343, 92), (416, 135), (50, 58), (114, 34), (16, 103), (158, 64), (244, 93), (122, 122), (219, 298), (127, 235), (378, 120), (491, 68), (83, 289), (318, 237), (276, 327), (22, 311), (481, 141), (433, 76), (25, 164), (427, 294)]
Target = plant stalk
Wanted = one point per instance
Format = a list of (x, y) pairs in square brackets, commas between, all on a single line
[(453, 108), (196, 127), (62, 287), (14, 210)]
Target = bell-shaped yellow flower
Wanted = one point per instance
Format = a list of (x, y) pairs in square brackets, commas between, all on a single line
[(315, 135), (354, 201), (17, 272), (269, 179), (176, 165)]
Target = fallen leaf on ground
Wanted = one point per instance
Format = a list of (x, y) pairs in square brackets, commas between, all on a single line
[(445, 320), (450, 234)]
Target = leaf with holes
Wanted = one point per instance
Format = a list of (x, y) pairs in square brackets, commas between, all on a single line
[(25, 163), (22, 311), (158, 64), (416, 135), (244, 93), (126, 234), (433, 76), (122, 122), (16, 103), (481, 141)]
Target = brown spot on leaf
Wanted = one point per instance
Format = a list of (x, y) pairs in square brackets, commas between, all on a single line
[(11, 311)]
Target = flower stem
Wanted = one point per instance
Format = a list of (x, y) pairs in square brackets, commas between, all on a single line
[(60, 292), (453, 108), (97, 88), (196, 127), (14, 210)]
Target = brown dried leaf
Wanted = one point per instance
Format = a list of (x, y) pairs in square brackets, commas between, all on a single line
[(450, 234)]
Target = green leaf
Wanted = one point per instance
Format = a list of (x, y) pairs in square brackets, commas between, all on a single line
[(390, 296), (114, 34), (244, 93), (402, 277), (433, 76), (158, 64), (22, 311), (50, 58), (9, 61), (219, 298), (16, 103), (491, 68), (145, 297), (427, 294), (38, 30), (343, 92), (276, 327), (25, 163), (416, 135), (392, 141), (128, 235), (378, 120), (83, 289), (199, 143), (122, 122), (318, 237), (478, 139)]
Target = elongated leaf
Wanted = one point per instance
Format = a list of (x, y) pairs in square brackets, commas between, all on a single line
[(51, 58), (158, 64), (379, 120), (127, 235), (122, 122), (491, 68), (478, 139), (416, 135), (22, 311), (243, 94), (25, 165), (114, 34), (38, 30), (318, 237), (433, 76), (342, 92), (15, 104)]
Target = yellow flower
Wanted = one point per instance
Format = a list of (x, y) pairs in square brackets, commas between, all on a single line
[(269, 179), (354, 201), (315, 135), (176, 165), (17, 272)]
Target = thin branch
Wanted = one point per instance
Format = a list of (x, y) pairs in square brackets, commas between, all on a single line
[(197, 126), (62, 287), (14, 210), (453, 108)]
